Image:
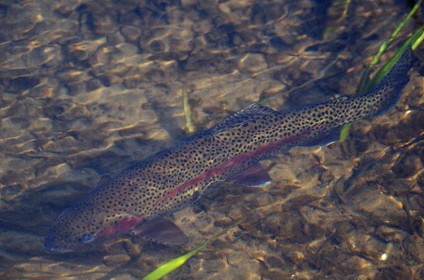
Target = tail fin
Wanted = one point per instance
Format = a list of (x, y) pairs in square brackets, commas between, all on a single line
[(389, 89)]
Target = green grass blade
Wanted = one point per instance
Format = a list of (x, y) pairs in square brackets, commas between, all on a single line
[(418, 41), (175, 263), (169, 266), (344, 132), (346, 8), (364, 83), (383, 47), (388, 66), (190, 128)]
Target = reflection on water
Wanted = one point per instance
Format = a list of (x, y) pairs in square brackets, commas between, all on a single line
[(88, 87)]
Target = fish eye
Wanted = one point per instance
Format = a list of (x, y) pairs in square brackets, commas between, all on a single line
[(86, 238)]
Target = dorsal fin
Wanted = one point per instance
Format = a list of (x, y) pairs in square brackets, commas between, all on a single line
[(252, 112)]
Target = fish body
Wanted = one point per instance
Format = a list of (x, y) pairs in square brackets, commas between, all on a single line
[(176, 176)]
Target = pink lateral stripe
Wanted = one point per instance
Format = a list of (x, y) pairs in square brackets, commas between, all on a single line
[(233, 162)]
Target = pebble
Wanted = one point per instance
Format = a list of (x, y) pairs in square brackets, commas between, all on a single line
[(394, 272), (274, 262), (390, 234), (104, 24), (407, 166), (414, 248), (116, 260), (17, 85), (131, 33), (223, 222), (116, 38), (384, 207), (419, 273), (133, 249), (252, 63), (420, 179)]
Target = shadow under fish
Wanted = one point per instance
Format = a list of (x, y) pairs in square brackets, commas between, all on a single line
[(136, 200)]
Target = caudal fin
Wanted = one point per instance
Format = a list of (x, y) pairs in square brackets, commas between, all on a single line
[(389, 89)]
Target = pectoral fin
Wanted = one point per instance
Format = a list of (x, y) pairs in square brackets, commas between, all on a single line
[(161, 231), (255, 176)]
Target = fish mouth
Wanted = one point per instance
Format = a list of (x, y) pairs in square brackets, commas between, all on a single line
[(55, 245), (55, 250), (52, 248)]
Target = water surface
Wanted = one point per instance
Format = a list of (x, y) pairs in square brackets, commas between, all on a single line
[(89, 87)]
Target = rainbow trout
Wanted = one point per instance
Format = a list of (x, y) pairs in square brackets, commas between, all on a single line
[(136, 199)]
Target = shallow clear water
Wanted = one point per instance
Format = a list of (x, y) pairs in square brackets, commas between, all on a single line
[(88, 87)]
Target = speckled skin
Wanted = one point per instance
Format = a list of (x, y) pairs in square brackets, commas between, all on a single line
[(173, 177)]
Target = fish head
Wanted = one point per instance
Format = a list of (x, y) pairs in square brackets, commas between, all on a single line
[(83, 226)]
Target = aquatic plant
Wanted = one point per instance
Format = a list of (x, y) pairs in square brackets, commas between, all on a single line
[(173, 264)]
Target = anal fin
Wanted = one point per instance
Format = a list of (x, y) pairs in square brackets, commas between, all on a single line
[(161, 231), (255, 176), (324, 139)]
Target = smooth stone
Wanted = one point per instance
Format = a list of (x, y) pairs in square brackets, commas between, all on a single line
[(253, 63), (131, 33), (116, 260)]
